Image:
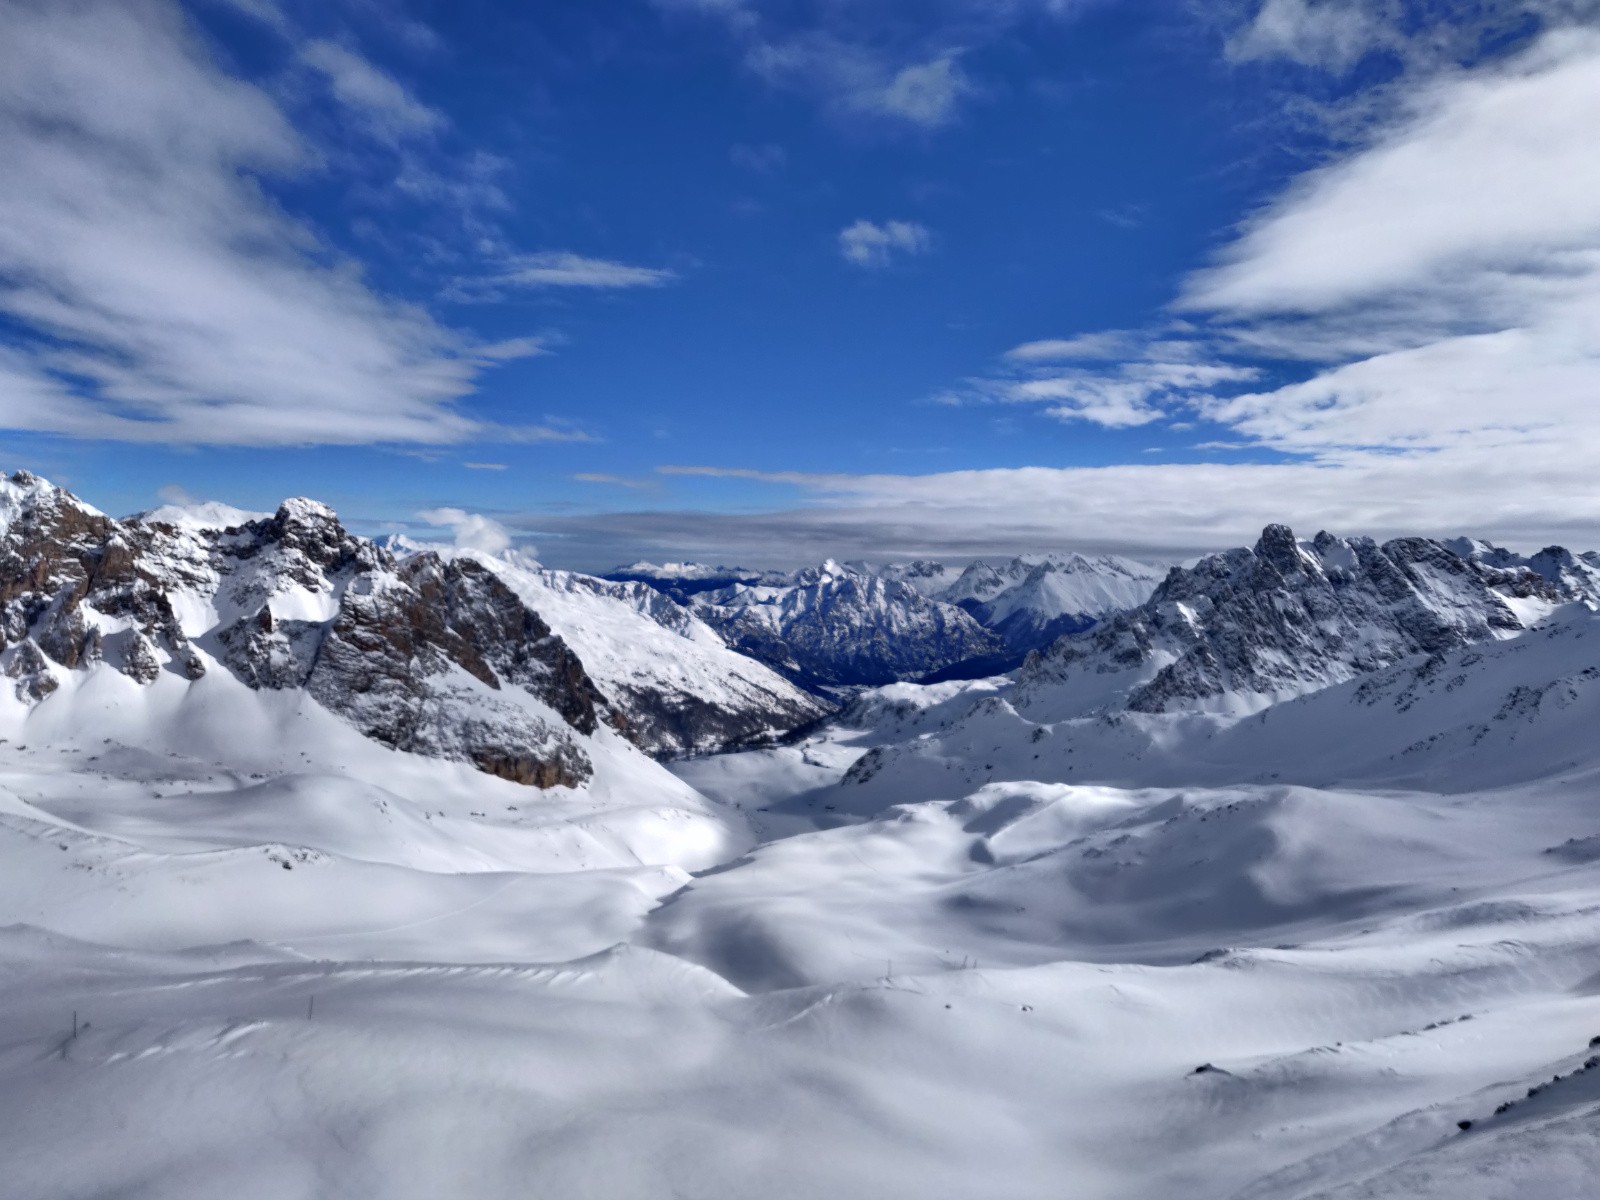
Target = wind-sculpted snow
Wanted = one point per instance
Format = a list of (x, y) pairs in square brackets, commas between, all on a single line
[(1324, 923)]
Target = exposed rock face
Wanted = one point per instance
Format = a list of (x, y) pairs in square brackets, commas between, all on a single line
[(1287, 617), (28, 666), (682, 689), (398, 659), (69, 575), (430, 654), (423, 655), (831, 625)]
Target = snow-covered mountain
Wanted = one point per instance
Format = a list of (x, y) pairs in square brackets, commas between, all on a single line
[(440, 655), (682, 688), (1056, 596), (1029, 601), (1242, 628), (1032, 599), (832, 626), (929, 577), (1329, 931)]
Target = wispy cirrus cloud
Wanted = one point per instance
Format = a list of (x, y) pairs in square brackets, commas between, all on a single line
[(564, 269), (1116, 379), (607, 479), (1447, 325), (154, 292), (1110, 343), (1424, 322), (860, 82), (896, 63), (377, 97), (1331, 34)]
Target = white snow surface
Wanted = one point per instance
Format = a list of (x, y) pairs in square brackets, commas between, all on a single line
[(634, 641), (966, 940), (1042, 586), (203, 514)]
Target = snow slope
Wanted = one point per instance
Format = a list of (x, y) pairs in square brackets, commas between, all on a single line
[(1031, 600), (1009, 938), (1059, 596), (681, 686)]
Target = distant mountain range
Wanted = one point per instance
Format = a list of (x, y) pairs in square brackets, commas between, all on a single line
[(856, 624), (1345, 653), (537, 675)]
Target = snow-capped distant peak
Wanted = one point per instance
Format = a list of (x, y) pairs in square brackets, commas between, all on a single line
[(205, 514), (24, 491), (680, 570)]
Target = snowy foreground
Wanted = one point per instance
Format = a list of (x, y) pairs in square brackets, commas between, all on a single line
[(248, 952), (337, 970)]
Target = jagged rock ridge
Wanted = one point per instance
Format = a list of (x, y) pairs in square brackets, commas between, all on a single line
[(425, 655), (831, 626), (1287, 617)]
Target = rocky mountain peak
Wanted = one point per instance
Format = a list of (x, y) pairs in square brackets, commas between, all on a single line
[(1279, 618), (433, 656), (831, 626), (308, 528), (1278, 548)]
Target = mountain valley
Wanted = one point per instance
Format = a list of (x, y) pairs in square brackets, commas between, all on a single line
[(1275, 876)]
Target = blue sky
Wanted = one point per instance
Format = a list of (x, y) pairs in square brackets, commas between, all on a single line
[(766, 281)]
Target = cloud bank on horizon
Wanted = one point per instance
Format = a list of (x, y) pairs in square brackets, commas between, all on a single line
[(1401, 336)]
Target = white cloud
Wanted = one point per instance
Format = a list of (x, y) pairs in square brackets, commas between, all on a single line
[(1155, 377), (922, 93), (268, 12), (895, 63), (1132, 394), (562, 268), (1486, 172), (1442, 284), (472, 531), (866, 244), (763, 159), (1332, 34), (1449, 273), (176, 493), (389, 109), (860, 81), (1112, 343), (1168, 510), (621, 481), (160, 296)]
